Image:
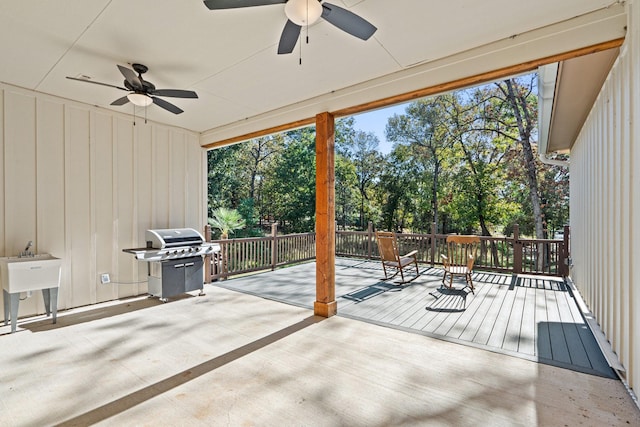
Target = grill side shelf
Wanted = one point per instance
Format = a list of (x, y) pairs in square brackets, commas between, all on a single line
[(138, 252)]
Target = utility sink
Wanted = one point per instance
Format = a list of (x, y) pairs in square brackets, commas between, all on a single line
[(31, 273)]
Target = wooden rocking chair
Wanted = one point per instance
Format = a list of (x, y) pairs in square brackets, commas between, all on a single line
[(390, 256), (461, 253)]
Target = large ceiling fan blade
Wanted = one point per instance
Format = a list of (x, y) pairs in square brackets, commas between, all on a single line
[(348, 21), (120, 101), (131, 77), (289, 37), (96, 83), (232, 4), (175, 93), (166, 105)]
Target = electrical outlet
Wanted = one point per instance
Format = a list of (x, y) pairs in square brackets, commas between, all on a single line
[(104, 278)]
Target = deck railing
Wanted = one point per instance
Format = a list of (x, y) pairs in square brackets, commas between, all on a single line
[(239, 256), (501, 254)]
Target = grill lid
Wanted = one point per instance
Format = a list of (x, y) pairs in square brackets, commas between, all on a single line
[(172, 237)]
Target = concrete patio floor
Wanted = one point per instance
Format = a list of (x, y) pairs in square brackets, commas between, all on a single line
[(232, 359)]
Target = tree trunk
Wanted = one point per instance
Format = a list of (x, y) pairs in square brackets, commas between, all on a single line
[(519, 106), (434, 192)]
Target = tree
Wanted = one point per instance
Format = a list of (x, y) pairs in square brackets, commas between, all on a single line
[(480, 181), (363, 152), (224, 188), (425, 124), (405, 196), (346, 190), (258, 154), (512, 113), (259, 151), (290, 184)]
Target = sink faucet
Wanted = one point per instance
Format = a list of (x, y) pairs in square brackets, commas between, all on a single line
[(27, 252)]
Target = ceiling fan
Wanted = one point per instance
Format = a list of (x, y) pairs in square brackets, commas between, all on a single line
[(143, 92), (304, 13)]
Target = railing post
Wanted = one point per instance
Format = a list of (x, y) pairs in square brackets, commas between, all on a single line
[(338, 242), (207, 259), (433, 243), (370, 239), (517, 250), (274, 245), (566, 253)]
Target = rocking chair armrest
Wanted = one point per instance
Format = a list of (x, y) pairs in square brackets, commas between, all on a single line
[(470, 262), (412, 253), (444, 259)]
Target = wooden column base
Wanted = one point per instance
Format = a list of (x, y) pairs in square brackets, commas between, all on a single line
[(325, 309)]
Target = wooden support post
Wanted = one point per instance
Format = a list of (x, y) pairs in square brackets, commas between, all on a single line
[(370, 240), (325, 304), (433, 244), (207, 259), (517, 250), (274, 245), (566, 255)]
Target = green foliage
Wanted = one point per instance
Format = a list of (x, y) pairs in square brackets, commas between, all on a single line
[(463, 160), (249, 214), (224, 188), (226, 220), (346, 192), (289, 193), (367, 160)]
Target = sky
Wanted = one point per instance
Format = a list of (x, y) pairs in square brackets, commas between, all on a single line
[(375, 122)]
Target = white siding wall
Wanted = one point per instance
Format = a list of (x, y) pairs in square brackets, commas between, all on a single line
[(605, 204), (83, 183)]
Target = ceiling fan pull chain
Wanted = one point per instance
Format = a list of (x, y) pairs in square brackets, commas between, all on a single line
[(307, 22), (307, 36)]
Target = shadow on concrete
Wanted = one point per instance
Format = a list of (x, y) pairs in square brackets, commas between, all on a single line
[(133, 399)]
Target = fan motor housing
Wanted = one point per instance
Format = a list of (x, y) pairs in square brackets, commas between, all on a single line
[(148, 86), (139, 68)]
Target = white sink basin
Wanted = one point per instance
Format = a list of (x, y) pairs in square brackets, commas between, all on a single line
[(30, 273)]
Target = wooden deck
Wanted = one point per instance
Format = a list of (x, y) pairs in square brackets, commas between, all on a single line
[(535, 318)]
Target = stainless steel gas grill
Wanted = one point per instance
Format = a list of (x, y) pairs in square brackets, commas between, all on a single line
[(174, 258)]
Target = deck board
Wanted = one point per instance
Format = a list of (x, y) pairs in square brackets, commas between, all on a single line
[(535, 318), (511, 339), (499, 330), (577, 352), (543, 339), (559, 346), (481, 316)]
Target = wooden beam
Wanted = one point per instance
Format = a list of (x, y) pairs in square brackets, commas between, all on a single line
[(477, 79), (325, 304), (258, 134)]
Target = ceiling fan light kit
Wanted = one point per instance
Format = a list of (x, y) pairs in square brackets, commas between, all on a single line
[(140, 99), (303, 12)]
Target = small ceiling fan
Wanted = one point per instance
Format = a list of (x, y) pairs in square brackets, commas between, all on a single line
[(143, 92), (304, 13)]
